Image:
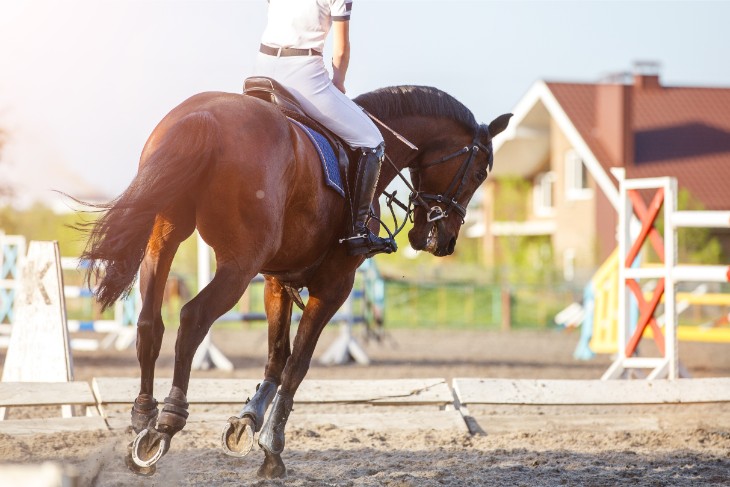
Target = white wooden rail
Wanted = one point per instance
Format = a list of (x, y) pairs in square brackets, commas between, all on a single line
[(29, 394), (415, 404)]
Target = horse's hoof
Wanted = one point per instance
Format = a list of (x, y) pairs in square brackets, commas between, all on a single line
[(273, 467), (142, 471), (237, 436), (148, 447)]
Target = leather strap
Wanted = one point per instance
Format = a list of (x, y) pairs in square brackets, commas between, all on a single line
[(287, 51)]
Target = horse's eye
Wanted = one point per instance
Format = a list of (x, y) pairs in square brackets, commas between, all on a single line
[(481, 176)]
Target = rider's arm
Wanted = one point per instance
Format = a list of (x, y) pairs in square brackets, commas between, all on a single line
[(340, 52)]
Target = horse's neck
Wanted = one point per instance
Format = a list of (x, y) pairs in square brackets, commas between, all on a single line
[(416, 131)]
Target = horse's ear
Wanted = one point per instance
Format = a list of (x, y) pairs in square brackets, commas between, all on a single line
[(498, 125)]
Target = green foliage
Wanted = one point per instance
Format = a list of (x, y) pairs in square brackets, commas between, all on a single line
[(511, 199), (40, 223), (525, 259), (694, 245)]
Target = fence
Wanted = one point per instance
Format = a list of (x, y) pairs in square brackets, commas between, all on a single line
[(449, 304)]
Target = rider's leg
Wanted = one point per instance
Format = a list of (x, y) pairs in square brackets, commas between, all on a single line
[(308, 80), (361, 240)]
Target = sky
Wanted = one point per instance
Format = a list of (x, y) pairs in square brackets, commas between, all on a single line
[(83, 83)]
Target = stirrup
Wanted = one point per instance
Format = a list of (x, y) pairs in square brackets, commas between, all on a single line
[(369, 244)]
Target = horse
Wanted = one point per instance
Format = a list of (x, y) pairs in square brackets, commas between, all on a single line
[(234, 168)]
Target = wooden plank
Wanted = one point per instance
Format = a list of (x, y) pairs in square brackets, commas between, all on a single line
[(122, 390), (224, 391), (506, 391), (45, 394), (52, 425), (401, 420), (520, 423), (400, 391), (404, 421)]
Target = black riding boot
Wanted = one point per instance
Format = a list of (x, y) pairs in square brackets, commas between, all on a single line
[(362, 240)]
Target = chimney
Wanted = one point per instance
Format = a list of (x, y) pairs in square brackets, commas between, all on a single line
[(646, 75), (613, 122)]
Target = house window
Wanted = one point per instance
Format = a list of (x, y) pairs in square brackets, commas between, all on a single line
[(543, 194), (576, 177)]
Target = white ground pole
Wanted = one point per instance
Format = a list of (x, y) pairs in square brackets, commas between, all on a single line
[(667, 366), (208, 355)]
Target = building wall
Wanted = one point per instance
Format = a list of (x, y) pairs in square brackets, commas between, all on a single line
[(575, 218)]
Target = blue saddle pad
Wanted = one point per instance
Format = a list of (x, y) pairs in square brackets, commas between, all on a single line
[(327, 156)]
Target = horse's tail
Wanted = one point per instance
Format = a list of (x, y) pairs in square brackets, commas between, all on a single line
[(118, 240)]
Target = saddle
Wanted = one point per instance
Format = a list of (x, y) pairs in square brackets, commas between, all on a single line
[(272, 91)]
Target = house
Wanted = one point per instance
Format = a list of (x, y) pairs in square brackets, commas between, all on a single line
[(570, 141)]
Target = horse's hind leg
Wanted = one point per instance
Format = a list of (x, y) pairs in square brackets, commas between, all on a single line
[(196, 318), (164, 242), (238, 434)]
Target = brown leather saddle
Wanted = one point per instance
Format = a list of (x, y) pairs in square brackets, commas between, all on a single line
[(272, 91)]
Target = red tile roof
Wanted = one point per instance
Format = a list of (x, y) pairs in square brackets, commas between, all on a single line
[(678, 131)]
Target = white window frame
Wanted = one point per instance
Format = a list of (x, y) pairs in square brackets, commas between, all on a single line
[(576, 177), (543, 194)]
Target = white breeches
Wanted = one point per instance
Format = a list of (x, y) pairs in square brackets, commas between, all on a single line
[(308, 80)]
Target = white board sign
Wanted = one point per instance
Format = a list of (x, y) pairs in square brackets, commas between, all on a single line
[(39, 348)]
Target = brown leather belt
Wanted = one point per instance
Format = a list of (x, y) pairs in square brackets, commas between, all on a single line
[(288, 51)]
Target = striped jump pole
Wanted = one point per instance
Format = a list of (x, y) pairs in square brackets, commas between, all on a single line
[(120, 331)]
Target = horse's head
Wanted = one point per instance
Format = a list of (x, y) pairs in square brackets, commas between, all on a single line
[(445, 180)]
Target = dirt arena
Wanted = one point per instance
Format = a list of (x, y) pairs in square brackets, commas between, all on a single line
[(687, 445)]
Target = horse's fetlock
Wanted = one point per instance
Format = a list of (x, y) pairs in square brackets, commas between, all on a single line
[(175, 413), (170, 422), (145, 402), (144, 412), (255, 408)]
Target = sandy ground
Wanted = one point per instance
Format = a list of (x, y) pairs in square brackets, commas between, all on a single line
[(691, 446)]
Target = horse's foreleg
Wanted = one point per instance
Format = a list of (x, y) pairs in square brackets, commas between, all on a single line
[(238, 434), (196, 318), (322, 305)]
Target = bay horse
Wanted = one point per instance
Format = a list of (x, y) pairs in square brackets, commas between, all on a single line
[(251, 182)]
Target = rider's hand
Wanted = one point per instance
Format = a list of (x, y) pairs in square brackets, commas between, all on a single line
[(339, 84)]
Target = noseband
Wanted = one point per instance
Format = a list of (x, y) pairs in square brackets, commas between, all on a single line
[(450, 196)]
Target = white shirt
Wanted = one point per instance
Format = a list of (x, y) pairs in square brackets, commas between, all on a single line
[(303, 24)]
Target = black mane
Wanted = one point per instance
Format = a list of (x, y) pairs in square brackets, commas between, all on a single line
[(399, 101)]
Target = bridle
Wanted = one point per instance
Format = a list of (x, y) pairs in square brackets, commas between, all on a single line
[(450, 197), (421, 198)]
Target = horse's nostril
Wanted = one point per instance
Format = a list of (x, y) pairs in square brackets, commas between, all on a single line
[(452, 246)]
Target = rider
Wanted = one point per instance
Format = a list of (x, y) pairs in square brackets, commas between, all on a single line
[(291, 53)]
